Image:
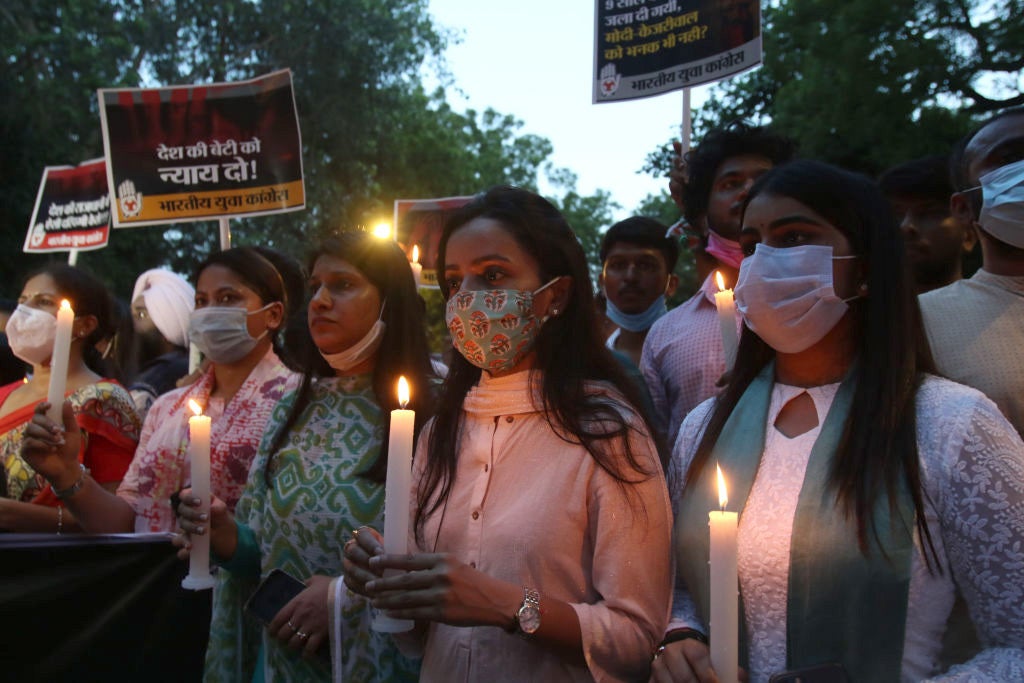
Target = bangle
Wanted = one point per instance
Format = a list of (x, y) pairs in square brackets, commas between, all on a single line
[(60, 519), (675, 635), (64, 494)]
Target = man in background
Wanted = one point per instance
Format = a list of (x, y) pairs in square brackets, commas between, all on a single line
[(976, 326), (162, 304), (683, 357), (637, 264), (936, 241)]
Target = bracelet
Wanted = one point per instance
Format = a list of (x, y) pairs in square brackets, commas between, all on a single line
[(60, 519), (64, 494), (675, 635)]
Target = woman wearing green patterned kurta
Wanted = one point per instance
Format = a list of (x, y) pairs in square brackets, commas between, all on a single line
[(318, 475)]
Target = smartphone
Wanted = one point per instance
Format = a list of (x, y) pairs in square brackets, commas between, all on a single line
[(822, 673), (274, 592)]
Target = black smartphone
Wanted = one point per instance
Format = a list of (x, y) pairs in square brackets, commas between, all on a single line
[(273, 593), (822, 673)]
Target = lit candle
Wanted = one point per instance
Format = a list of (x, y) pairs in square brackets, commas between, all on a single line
[(59, 361), (417, 267), (199, 457), (723, 620), (726, 306), (396, 495)]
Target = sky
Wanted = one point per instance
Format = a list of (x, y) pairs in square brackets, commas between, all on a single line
[(533, 59)]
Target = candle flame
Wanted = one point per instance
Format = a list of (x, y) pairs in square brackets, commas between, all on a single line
[(403, 392), (416, 253), (195, 407), (723, 496), (720, 281), (65, 305)]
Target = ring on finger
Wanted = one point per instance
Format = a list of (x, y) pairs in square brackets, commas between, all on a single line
[(292, 627), (302, 635), (658, 652)]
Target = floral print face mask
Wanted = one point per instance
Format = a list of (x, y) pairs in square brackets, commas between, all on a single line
[(494, 329)]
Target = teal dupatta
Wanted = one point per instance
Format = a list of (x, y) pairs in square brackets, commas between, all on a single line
[(843, 606)]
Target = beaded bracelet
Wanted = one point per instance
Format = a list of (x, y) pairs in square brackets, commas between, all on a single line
[(64, 494), (60, 519)]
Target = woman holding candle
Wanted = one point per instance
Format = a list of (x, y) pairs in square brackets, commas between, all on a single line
[(540, 520), (873, 493), (320, 473), (242, 301), (100, 407)]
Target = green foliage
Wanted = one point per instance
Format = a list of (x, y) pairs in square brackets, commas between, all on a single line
[(870, 83), (371, 133)]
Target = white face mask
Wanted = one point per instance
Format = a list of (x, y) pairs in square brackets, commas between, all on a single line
[(786, 295), (1002, 210), (346, 359), (222, 332), (30, 333)]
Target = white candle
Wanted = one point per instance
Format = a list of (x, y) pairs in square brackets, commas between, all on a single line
[(199, 458), (396, 495), (723, 620), (417, 268), (726, 306), (59, 361), (193, 358)]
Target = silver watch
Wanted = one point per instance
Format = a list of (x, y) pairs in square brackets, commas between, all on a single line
[(528, 616)]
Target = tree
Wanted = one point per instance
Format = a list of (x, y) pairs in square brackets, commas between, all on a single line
[(869, 83), (371, 133)]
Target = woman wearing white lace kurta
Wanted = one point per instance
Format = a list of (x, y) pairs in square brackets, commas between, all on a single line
[(815, 409)]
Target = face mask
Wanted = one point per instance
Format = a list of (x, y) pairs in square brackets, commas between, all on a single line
[(345, 360), (727, 252), (786, 295), (494, 329), (31, 333), (1002, 211), (637, 322), (222, 333)]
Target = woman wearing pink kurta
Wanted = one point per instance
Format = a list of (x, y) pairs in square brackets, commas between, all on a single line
[(242, 299), (541, 522)]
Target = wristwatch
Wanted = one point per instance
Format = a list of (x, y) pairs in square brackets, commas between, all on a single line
[(528, 615)]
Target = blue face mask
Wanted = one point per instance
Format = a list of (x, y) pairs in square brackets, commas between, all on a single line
[(637, 322)]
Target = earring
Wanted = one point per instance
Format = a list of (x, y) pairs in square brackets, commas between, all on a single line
[(863, 288), (554, 311)]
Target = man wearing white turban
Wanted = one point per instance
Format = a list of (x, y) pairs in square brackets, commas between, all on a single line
[(161, 305)]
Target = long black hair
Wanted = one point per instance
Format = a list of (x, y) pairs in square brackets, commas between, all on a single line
[(569, 350), (403, 350), (879, 443)]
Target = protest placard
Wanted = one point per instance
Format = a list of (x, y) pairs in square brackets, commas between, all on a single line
[(72, 209), (418, 223), (199, 152), (647, 47)]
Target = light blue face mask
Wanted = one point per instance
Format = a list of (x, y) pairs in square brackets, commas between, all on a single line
[(1002, 211), (637, 322)]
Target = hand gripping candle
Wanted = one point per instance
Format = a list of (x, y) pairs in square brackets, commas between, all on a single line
[(199, 577), (396, 495)]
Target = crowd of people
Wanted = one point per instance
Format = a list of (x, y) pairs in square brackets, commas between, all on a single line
[(869, 424)]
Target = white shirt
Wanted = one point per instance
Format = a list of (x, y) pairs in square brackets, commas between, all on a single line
[(972, 469)]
